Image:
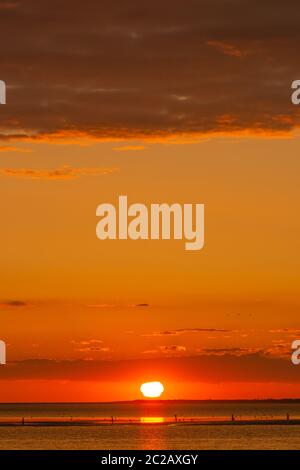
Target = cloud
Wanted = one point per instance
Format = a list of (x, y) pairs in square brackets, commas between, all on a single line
[(118, 306), (10, 148), (290, 331), (111, 73), (8, 5), (87, 342), (229, 351), (173, 348), (102, 306), (93, 349), (64, 173), (226, 48), (181, 331), (202, 368), (14, 303), (279, 349)]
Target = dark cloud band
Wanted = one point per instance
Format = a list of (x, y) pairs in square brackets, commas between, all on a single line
[(155, 70)]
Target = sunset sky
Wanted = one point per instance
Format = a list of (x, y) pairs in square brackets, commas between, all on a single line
[(170, 101)]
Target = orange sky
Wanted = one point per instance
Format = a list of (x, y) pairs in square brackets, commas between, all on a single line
[(168, 104)]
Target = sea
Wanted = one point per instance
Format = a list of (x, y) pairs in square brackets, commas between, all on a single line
[(148, 425)]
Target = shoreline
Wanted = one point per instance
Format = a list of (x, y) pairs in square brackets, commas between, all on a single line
[(87, 422)]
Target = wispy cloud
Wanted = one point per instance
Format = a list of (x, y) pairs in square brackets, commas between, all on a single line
[(11, 148), (229, 351), (93, 349), (168, 349), (285, 331), (129, 148), (279, 349), (100, 306), (248, 70), (8, 5), (226, 48), (86, 342), (118, 306)]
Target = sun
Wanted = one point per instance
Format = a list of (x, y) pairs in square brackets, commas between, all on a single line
[(152, 389)]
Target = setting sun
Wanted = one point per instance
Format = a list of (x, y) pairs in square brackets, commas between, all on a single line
[(152, 389)]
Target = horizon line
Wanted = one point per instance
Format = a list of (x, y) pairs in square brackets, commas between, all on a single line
[(159, 400)]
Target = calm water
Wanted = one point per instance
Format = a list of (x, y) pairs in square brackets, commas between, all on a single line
[(145, 436)]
